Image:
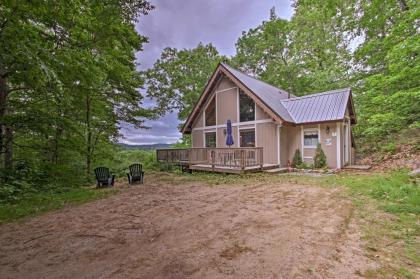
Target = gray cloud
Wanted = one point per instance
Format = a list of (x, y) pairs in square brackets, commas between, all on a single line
[(185, 23)]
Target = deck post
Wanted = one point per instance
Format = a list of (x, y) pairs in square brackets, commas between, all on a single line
[(242, 160), (261, 151), (212, 159)]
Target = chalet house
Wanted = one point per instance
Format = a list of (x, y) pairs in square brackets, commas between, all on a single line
[(268, 124)]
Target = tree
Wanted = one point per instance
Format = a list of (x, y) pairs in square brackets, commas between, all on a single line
[(297, 159), (67, 79), (320, 46), (265, 52), (179, 76), (320, 160), (387, 60)]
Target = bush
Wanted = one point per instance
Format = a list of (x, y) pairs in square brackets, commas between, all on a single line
[(297, 159), (320, 160)]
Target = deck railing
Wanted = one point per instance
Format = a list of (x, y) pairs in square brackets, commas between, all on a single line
[(242, 157)]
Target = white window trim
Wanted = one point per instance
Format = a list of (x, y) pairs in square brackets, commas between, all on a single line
[(205, 140), (249, 129), (234, 124), (338, 146), (239, 111), (227, 89), (205, 108), (278, 145), (310, 130)]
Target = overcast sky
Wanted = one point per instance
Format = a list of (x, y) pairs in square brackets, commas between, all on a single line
[(185, 23)]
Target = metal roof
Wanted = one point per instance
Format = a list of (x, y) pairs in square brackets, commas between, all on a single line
[(326, 106), (319, 107), (269, 94)]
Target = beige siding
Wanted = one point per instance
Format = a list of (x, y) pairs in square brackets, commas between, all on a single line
[(284, 146), (221, 137), (266, 138), (199, 122), (226, 106), (329, 150), (197, 138), (293, 141), (225, 83), (260, 114)]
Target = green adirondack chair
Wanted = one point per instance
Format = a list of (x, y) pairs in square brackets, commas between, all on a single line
[(136, 173), (103, 177)]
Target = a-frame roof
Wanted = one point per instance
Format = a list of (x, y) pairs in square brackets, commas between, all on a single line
[(279, 104)]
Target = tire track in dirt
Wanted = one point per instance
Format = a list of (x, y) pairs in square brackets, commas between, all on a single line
[(162, 230)]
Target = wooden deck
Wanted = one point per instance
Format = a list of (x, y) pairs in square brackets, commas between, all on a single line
[(225, 160)]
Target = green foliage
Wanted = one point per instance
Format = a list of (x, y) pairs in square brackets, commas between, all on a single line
[(35, 203), (179, 76), (184, 142), (67, 81), (320, 160), (119, 162), (389, 88), (297, 159)]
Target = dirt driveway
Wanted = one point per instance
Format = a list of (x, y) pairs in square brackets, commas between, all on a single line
[(158, 230)]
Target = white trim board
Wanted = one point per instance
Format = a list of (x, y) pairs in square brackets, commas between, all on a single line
[(227, 89), (235, 124)]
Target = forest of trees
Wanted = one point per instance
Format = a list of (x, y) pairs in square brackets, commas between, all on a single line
[(371, 46), (68, 76), (68, 79)]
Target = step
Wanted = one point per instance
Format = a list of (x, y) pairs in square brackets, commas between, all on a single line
[(277, 170)]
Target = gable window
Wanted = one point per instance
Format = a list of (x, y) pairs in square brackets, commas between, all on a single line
[(310, 138), (211, 113), (246, 107), (247, 138), (211, 139)]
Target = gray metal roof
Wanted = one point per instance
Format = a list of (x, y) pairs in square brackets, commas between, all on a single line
[(319, 107), (269, 94), (326, 106)]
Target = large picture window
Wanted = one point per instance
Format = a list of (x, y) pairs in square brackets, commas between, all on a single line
[(247, 138), (246, 107), (211, 113), (310, 138), (211, 139)]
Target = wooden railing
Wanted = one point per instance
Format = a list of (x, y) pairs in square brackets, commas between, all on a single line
[(215, 157)]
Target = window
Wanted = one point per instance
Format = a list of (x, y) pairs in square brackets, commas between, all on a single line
[(211, 113), (247, 138), (211, 139), (246, 107), (310, 138)]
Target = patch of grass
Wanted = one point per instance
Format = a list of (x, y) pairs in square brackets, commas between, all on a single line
[(37, 203)]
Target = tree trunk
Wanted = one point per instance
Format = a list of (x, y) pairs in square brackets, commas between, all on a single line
[(88, 137), (8, 155), (6, 133)]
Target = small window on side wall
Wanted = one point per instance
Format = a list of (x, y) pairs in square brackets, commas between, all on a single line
[(211, 113), (310, 138), (211, 139)]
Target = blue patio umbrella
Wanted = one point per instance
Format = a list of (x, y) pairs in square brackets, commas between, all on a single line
[(229, 137)]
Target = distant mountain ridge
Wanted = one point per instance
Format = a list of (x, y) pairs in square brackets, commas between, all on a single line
[(145, 146)]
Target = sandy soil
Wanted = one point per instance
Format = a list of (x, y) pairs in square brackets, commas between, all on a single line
[(158, 230)]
